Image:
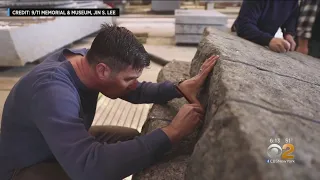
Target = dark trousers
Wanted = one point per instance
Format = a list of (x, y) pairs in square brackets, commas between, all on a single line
[(53, 170)]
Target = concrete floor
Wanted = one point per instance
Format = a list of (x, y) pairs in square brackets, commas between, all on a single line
[(8, 77)]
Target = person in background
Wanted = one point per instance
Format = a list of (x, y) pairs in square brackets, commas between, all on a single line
[(308, 30), (259, 21)]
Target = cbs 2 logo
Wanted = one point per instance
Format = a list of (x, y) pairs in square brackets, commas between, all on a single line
[(275, 151)]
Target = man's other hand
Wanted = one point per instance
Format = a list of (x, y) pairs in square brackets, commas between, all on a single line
[(184, 122), (279, 45), (191, 87), (290, 39)]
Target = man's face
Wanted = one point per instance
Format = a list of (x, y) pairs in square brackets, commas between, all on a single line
[(118, 84)]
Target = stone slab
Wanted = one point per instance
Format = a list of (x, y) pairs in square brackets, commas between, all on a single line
[(196, 16), (192, 39), (157, 5), (18, 43), (171, 52), (154, 29), (254, 95), (195, 28)]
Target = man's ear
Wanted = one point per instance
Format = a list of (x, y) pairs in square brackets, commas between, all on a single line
[(103, 71)]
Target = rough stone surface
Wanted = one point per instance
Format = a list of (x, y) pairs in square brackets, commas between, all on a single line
[(253, 95), (187, 39), (195, 28), (173, 169)]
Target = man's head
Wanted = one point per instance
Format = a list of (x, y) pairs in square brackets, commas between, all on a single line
[(117, 59)]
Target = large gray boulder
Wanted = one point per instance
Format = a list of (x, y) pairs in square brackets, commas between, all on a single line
[(253, 98)]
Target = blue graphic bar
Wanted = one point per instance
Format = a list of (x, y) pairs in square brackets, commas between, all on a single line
[(8, 12)]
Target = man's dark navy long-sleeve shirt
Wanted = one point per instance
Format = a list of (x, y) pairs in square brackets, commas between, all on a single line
[(259, 21), (47, 116)]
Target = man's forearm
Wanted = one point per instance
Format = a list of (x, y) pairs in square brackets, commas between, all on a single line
[(148, 92)]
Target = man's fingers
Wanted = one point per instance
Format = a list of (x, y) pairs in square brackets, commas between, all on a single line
[(199, 110), (192, 99), (209, 60), (194, 105), (195, 101), (210, 66), (207, 63), (204, 73), (197, 107), (213, 59), (286, 45), (199, 118), (281, 48), (293, 46)]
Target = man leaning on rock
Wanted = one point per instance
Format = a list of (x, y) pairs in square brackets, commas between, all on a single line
[(46, 124), (259, 21)]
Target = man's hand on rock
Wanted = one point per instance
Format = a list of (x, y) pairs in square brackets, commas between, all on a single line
[(290, 39), (191, 87), (279, 45), (184, 122)]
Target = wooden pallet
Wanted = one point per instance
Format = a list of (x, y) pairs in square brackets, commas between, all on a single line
[(120, 113)]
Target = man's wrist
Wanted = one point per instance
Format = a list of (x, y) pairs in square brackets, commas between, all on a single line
[(172, 133), (176, 85)]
